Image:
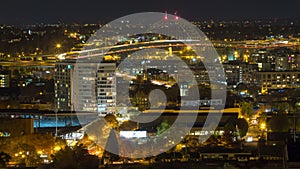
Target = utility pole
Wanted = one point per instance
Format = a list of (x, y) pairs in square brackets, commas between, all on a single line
[(56, 122)]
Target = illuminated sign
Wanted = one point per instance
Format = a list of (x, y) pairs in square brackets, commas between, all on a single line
[(73, 136), (133, 134)]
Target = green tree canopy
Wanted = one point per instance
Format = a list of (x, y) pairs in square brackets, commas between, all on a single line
[(247, 109), (74, 158), (242, 126), (112, 121), (282, 107), (128, 125), (162, 128)]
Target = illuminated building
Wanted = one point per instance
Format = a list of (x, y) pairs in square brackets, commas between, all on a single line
[(184, 88), (239, 72), (4, 79), (236, 72), (279, 59), (201, 102), (106, 88), (277, 80), (196, 126), (85, 86), (94, 88), (63, 84)]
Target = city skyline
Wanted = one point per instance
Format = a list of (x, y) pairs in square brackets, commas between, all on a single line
[(32, 12), (171, 84)]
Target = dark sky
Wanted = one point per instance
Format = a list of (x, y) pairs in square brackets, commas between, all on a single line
[(93, 11)]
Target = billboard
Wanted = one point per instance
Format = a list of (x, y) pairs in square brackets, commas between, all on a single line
[(133, 134)]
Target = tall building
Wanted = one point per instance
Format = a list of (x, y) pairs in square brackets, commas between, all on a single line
[(94, 88), (106, 88), (85, 86), (63, 85)]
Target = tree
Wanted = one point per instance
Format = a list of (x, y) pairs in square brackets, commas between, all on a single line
[(27, 155), (162, 128), (74, 158), (247, 109), (242, 126), (23, 149), (263, 118), (112, 121), (229, 131), (192, 144), (212, 141), (128, 125), (282, 107)]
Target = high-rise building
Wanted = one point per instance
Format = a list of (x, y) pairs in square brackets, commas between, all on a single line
[(106, 88), (94, 88), (85, 86), (63, 85)]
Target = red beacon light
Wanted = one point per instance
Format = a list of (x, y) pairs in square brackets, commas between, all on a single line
[(166, 16), (176, 16)]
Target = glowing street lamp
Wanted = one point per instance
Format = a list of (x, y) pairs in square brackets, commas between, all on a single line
[(57, 148), (58, 46), (263, 126), (188, 48)]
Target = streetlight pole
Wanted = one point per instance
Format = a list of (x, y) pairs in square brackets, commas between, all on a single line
[(56, 122)]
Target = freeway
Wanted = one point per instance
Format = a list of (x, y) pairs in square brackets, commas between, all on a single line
[(32, 64), (251, 44), (110, 50)]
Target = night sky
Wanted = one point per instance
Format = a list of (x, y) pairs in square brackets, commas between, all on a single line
[(94, 11)]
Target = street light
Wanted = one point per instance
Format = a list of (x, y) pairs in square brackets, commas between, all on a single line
[(263, 126), (57, 148), (58, 46), (56, 122)]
